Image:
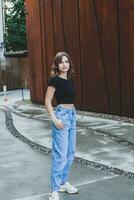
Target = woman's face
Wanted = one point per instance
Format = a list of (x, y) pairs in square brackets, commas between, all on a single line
[(64, 65)]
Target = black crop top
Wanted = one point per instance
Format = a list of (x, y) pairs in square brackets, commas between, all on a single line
[(65, 91)]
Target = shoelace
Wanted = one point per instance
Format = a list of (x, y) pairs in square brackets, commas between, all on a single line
[(68, 184), (52, 195)]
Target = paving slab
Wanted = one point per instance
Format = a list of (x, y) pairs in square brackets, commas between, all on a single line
[(116, 128), (13, 96), (110, 189), (93, 184), (104, 189), (25, 173), (90, 145)]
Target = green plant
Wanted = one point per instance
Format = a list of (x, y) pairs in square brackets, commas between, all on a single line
[(15, 25)]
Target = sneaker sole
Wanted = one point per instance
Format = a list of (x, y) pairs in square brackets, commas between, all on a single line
[(69, 192)]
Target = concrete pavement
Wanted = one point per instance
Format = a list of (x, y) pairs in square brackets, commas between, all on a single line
[(91, 145), (101, 144), (104, 142)]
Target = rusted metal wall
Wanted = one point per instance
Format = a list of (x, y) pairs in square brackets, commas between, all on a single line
[(98, 35)]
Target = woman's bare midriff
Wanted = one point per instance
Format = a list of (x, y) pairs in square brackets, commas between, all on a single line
[(67, 105)]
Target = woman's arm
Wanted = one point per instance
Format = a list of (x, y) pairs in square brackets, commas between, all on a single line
[(48, 103)]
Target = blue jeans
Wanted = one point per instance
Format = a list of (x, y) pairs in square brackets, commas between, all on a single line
[(63, 146)]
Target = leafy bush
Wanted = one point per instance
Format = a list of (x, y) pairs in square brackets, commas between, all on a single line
[(15, 25)]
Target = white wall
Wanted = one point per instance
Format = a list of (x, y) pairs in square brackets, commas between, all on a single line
[(1, 28)]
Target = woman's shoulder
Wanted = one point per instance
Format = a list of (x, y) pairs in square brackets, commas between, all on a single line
[(53, 78), (52, 81)]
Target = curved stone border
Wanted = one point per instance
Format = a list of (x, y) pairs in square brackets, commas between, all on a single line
[(118, 139), (11, 128), (115, 138), (33, 145)]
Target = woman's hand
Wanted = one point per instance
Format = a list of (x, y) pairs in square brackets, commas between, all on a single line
[(58, 123)]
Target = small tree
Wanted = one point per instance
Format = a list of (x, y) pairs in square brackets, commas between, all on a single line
[(15, 25)]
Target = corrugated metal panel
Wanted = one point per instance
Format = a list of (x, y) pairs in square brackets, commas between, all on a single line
[(35, 50), (93, 98), (126, 26), (107, 22)]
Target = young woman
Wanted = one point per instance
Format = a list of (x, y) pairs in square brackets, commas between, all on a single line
[(63, 124)]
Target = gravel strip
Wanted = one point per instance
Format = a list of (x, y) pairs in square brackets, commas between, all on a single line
[(107, 116), (115, 138), (11, 128)]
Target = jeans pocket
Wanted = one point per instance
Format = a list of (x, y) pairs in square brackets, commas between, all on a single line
[(61, 114)]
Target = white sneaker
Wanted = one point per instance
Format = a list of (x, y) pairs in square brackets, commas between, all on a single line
[(54, 196), (67, 187)]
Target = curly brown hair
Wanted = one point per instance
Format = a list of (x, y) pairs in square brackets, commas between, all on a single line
[(58, 59)]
